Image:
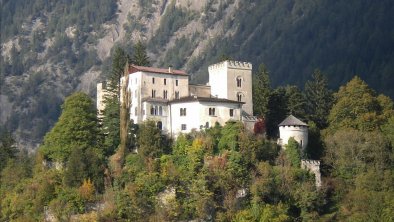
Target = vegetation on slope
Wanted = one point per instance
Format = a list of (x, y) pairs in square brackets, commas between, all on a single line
[(223, 173), (50, 44)]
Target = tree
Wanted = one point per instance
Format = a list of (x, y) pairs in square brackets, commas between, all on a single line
[(315, 147), (293, 152), (277, 111), (261, 91), (140, 57), (75, 171), (111, 125), (350, 152), (77, 127), (295, 102), (111, 113), (318, 99), (356, 106), (8, 149), (229, 138), (150, 141), (119, 60)]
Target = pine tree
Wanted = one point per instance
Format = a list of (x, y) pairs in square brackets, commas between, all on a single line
[(295, 102), (261, 91), (318, 99), (277, 111), (119, 60), (140, 56), (111, 112)]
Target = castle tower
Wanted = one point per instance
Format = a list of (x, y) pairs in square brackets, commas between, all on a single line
[(293, 127), (232, 80)]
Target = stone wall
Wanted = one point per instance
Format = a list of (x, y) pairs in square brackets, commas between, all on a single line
[(314, 167)]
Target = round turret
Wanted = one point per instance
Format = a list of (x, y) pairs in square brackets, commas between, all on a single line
[(293, 127)]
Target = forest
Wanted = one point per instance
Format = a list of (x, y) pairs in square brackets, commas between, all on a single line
[(87, 169), (51, 48)]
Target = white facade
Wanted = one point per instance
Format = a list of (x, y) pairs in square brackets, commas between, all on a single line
[(150, 91), (195, 113), (166, 97), (299, 133), (293, 127), (232, 80)]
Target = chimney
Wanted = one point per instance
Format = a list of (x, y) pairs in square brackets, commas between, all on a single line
[(170, 69)]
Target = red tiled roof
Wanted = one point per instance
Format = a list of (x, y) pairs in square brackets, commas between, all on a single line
[(135, 68)]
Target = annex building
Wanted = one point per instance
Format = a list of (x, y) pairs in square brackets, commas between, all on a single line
[(166, 97)]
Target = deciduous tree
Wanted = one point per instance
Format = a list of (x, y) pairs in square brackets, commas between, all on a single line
[(77, 127)]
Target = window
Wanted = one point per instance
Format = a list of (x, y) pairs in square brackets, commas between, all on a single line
[(182, 111), (160, 125), (165, 81), (239, 81), (136, 111), (160, 110), (152, 111), (231, 112), (212, 111), (153, 80), (176, 82), (183, 127), (176, 94), (165, 94), (206, 125), (153, 93), (239, 97), (155, 110)]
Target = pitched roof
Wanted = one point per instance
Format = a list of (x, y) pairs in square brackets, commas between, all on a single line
[(203, 99), (292, 121), (135, 68)]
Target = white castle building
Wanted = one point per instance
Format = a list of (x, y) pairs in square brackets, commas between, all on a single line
[(166, 97), (293, 127)]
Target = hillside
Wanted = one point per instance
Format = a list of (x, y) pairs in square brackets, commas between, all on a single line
[(51, 48)]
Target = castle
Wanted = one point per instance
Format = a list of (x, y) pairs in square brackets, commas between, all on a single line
[(166, 97)]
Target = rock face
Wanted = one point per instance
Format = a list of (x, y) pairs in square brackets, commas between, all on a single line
[(52, 72), (49, 54)]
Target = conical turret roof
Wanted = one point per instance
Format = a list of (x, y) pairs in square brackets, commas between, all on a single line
[(292, 121)]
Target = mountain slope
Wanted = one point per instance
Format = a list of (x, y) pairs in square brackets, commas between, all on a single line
[(52, 48)]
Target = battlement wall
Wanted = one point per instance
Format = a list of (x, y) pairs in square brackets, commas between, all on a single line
[(231, 64), (314, 167)]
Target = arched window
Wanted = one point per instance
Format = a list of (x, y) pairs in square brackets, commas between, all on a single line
[(156, 109), (206, 125), (239, 81), (160, 125), (152, 110), (239, 97), (160, 110)]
